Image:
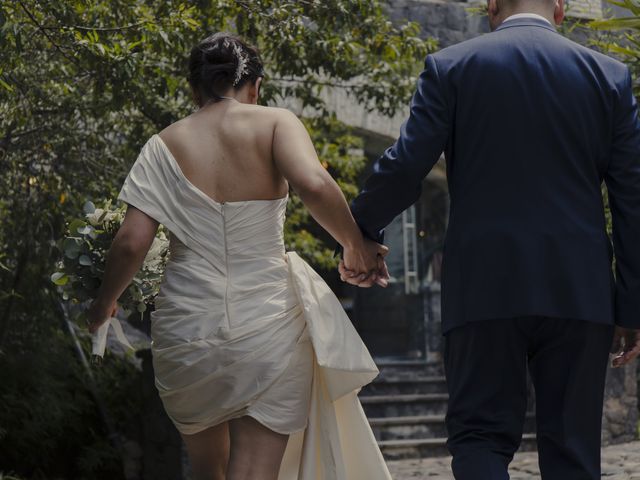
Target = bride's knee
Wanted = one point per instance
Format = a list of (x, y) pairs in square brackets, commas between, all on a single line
[(209, 453), (215, 473), (208, 468)]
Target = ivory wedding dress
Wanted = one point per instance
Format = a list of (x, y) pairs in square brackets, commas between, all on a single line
[(243, 328)]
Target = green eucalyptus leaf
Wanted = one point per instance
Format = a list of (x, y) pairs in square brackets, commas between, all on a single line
[(5, 85), (71, 248), (76, 225), (85, 260), (89, 207), (60, 278)]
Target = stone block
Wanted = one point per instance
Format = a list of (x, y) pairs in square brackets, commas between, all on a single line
[(620, 420)]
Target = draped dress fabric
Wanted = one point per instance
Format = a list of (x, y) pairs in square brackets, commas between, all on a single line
[(243, 328)]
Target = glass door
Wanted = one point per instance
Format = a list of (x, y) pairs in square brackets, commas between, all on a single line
[(403, 321)]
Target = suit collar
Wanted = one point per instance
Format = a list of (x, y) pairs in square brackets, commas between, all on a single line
[(526, 15), (526, 22)]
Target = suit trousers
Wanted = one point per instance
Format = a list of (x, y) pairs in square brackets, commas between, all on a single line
[(486, 368)]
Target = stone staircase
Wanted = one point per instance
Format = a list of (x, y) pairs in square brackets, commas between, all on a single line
[(406, 407)]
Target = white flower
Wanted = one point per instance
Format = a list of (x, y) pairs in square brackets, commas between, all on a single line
[(113, 216), (94, 218), (155, 256), (101, 216)]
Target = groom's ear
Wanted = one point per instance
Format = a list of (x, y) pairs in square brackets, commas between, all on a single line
[(558, 12), (493, 14), (493, 8)]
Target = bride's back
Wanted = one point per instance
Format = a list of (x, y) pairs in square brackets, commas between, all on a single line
[(225, 150)]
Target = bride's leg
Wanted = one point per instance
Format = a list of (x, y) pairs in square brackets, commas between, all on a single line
[(209, 452), (256, 451)]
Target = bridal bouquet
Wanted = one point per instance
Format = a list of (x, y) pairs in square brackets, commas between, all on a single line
[(79, 273)]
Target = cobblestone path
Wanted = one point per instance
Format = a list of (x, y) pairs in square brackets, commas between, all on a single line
[(619, 462)]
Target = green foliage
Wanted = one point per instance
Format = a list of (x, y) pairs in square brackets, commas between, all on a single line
[(86, 83), (83, 84), (50, 428), (632, 21), (621, 37)]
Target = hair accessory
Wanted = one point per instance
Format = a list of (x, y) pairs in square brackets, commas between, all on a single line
[(243, 63)]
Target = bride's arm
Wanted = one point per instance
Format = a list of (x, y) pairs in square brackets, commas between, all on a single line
[(296, 158), (125, 257)]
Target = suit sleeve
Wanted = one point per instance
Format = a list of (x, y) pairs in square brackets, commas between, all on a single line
[(396, 181), (623, 184)]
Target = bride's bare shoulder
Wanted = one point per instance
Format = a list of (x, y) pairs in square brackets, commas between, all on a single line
[(179, 124), (262, 113), (257, 117), (266, 119)]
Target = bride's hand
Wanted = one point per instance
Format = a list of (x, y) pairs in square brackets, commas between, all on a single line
[(98, 314), (364, 265)]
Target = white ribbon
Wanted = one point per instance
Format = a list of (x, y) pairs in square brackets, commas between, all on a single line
[(99, 338)]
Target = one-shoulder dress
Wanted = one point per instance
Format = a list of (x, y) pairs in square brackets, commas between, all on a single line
[(242, 328)]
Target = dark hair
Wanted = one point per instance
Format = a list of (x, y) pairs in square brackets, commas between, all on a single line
[(222, 61)]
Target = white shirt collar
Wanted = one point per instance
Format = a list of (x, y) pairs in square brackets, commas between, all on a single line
[(526, 15)]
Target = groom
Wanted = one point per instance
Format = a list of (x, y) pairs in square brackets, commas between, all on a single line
[(530, 124)]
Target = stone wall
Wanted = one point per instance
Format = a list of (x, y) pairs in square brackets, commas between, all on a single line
[(449, 22), (620, 421), (587, 9)]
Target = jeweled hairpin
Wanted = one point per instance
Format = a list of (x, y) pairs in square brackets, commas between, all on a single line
[(243, 63)]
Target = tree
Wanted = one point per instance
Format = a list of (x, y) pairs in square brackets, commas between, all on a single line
[(83, 84), (622, 38)]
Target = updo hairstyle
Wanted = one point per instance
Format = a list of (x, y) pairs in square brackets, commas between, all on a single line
[(222, 61)]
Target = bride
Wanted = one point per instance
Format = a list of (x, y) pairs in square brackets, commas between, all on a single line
[(255, 361)]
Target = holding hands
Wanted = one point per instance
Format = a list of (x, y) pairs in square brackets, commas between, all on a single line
[(364, 265), (626, 346)]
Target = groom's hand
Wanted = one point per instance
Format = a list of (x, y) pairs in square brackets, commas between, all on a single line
[(378, 274), (626, 346)]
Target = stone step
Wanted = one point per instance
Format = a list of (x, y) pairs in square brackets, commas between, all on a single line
[(395, 386), (404, 398), (413, 419), (420, 427), (431, 447), (408, 368), (408, 427), (423, 448), (399, 405)]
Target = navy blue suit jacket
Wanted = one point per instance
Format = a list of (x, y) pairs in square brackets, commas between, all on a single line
[(531, 124)]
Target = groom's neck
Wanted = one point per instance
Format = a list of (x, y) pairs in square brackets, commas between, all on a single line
[(500, 10), (527, 7)]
